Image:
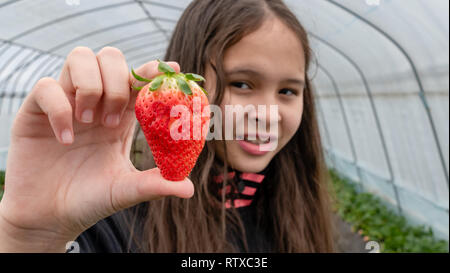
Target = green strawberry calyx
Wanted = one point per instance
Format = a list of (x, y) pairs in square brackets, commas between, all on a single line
[(180, 78)]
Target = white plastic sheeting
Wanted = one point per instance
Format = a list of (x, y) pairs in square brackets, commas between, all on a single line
[(381, 76)]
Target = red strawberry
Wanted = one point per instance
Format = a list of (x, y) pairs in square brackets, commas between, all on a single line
[(175, 157)]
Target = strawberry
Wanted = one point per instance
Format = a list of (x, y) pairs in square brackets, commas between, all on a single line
[(174, 156)]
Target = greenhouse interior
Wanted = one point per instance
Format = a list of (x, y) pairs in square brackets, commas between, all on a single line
[(380, 75)]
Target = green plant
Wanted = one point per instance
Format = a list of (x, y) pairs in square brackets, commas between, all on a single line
[(370, 217)]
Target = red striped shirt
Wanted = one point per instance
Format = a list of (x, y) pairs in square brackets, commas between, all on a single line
[(247, 186)]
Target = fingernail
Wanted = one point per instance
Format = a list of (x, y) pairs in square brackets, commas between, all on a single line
[(87, 116), (66, 136), (112, 120)]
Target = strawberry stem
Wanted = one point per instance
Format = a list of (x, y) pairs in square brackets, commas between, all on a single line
[(156, 83), (183, 85), (166, 69), (169, 72), (139, 78), (194, 77)]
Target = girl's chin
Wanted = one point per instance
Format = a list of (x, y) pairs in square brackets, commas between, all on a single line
[(249, 169), (245, 162)]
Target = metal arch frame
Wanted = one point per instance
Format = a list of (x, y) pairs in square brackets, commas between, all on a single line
[(327, 133), (76, 15), (2, 95), (56, 66), (45, 64), (373, 108), (20, 35), (151, 58), (20, 76), (416, 76), (136, 48), (134, 57), (4, 43), (9, 45), (162, 5), (7, 3), (60, 19), (74, 40), (19, 67), (11, 99), (96, 49), (54, 73), (153, 52), (43, 74), (55, 70), (126, 39), (102, 30), (133, 49), (347, 127), (39, 74), (10, 76), (10, 60), (4, 49), (421, 94), (152, 19), (5, 95)]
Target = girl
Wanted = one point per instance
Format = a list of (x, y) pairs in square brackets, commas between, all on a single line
[(252, 52)]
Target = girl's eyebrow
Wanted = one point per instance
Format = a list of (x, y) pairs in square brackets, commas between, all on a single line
[(254, 73), (295, 81), (247, 71)]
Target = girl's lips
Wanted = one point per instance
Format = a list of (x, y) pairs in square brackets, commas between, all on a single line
[(256, 149), (253, 136)]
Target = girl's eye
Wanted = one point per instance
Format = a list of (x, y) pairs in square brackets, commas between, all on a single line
[(241, 85), (287, 92)]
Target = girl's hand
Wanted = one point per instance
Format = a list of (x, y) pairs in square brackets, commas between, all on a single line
[(69, 158)]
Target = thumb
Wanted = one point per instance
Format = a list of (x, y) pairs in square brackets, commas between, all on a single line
[(135, 187)]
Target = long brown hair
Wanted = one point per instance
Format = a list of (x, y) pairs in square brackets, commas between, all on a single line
[(293, 205)]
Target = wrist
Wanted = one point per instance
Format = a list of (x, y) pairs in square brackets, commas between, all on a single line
[(14, 239)]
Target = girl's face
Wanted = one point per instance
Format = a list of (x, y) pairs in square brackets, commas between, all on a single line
[(266, 67)]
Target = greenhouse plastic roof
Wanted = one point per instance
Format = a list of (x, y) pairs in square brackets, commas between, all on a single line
[(392, 50), (383, 40)]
